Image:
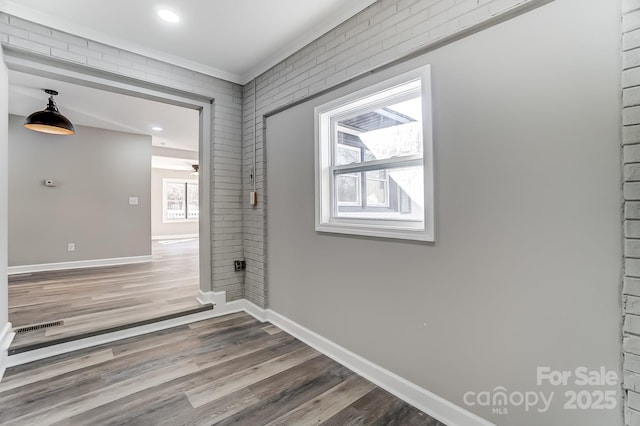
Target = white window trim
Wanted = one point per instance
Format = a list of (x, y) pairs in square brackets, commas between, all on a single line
[(324, 171), (165, 181)]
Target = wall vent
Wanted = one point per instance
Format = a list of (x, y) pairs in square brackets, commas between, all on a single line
[(34, 327)]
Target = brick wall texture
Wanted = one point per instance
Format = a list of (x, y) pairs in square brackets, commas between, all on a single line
[(631, 193)]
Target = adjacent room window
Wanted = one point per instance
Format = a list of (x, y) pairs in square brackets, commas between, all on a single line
[(374, 160), (180, 202)]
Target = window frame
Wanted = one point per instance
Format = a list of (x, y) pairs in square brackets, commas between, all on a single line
[(186, 183), (326, 135)]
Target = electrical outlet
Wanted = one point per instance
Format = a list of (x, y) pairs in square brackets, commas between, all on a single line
[(71, 247), (239, 265)]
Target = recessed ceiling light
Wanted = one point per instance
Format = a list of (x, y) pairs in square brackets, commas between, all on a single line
[(156, 129), (168, 15)]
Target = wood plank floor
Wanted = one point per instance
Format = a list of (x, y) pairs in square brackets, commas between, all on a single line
[(93, 299), (227, 370)]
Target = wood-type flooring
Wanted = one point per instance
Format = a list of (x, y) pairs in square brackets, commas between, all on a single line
[(227, 370), (96, 299)]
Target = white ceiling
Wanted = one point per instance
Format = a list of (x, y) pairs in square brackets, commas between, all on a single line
[(231, 39), (170, 163), (98, 108)]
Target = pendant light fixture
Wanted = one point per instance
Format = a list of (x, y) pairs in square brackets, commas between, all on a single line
[(50, 120)]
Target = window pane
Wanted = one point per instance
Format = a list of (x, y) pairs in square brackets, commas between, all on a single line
[(377, 174), (193, 206), (348, 189), (398, 197), (390, 131), (376, 192), (368, 155), (175, 201), (346, 154)]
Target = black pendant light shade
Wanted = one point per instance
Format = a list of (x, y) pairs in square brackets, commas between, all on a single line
[(50, 120)]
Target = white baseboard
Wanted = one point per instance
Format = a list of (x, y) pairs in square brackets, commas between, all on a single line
[(6, 336), (257, 312), (219, 301), (80, 264), (174, 237), (213, 297), (430, 403)]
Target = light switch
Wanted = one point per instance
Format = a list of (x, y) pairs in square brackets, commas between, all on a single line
[(133, 201)]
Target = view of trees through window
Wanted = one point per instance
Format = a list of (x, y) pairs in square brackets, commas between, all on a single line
[(180, 200)]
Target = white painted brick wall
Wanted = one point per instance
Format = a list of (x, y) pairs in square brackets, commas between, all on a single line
[(631, 191), (632, 362), (630, 5), (226, 138), (631, 21), (385, 31)]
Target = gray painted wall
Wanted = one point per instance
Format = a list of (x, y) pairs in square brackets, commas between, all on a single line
[(158, 227), (525, 271), (96, 171), (383, 32)]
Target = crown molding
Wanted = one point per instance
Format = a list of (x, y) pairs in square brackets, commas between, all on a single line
[(347, 11), (29, 14)]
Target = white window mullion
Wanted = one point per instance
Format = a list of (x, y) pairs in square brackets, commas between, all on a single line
[(391, 163)]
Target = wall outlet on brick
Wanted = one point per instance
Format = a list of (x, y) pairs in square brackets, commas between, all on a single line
[(239, 265)]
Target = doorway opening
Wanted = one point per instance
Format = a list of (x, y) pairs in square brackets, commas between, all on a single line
[(106, 267)]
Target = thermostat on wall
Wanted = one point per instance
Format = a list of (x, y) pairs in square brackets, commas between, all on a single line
[(50, 182)]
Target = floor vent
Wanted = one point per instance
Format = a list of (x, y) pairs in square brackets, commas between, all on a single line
[(34, 327)]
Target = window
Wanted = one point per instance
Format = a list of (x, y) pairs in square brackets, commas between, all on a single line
[(180, 201), (374, 160)]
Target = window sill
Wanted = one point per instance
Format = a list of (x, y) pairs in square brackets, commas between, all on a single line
[(394, 232), (180, 221)]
